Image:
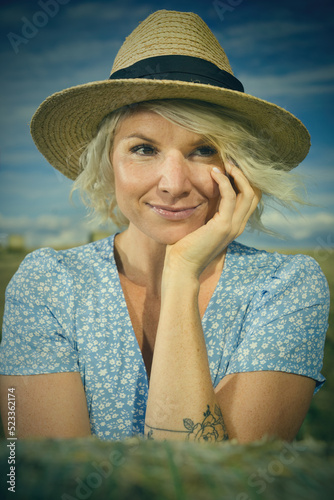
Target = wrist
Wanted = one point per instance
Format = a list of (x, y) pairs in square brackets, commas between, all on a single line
[(177, 265), (178, 279), (179, 300)]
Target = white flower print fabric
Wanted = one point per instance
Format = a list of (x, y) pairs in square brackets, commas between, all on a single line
[(65, 312)]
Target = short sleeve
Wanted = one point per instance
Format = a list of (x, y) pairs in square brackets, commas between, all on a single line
[(37, 335), (286, 322)]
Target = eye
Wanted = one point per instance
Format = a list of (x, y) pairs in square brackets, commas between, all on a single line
[(205, 151), (143, 150)]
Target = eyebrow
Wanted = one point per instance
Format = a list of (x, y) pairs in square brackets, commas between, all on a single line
[(137, 135)]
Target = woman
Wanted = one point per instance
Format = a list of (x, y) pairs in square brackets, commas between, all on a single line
[(168, 328)]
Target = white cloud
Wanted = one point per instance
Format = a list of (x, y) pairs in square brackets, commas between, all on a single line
[(259, 36), (63, 239), (14, 224), (301, 227), (322, 168), (294, 84), (49, 230), (42, 222)]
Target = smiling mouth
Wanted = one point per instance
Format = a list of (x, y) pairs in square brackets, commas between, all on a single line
[(172, 213)]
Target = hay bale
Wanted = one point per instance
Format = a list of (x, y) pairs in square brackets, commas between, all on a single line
[(137, 469)]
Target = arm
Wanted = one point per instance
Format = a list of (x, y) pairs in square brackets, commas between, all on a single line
[(253, 404), (264, 403), (51, 405), (182, 403)]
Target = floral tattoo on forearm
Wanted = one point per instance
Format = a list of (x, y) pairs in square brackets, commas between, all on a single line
[(212, 427)]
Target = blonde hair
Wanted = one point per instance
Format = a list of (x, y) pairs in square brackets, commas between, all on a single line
[(234, 137)]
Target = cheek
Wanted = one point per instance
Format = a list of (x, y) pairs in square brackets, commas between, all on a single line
[(135, 184), (121, 179), (207, 185), (130, 181), (122, 173)]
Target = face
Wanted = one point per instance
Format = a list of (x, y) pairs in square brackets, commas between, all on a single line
[(162, 177)]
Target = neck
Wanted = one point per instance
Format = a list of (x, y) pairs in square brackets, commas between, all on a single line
[(140, 259)]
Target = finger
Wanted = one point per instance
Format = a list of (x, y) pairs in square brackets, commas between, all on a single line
[(234, 215), (227, 202), (246, 219), (248, 197), (255, 202), (255, 198), (240, 182), (245, 192)]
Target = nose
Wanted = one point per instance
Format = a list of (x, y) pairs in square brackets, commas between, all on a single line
[(174, 175)]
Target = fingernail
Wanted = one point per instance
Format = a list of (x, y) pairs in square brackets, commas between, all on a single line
[(215, 169)]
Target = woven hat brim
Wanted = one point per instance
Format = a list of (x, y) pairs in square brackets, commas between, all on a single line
[(66, 121)]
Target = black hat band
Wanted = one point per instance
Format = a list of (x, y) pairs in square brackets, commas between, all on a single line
[(182, 68)]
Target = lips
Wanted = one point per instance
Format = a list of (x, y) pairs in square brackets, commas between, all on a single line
[(173, 213)]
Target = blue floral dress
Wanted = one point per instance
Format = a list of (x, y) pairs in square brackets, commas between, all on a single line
[(66, 312)]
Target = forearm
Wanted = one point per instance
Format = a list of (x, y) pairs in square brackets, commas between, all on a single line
[(181, 402)]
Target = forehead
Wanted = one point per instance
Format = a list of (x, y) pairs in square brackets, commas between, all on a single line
[(139, 118), (150, 123)]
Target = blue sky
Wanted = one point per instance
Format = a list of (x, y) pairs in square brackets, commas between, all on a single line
[(282, 51)]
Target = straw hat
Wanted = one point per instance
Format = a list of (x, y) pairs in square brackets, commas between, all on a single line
[(169, 55)]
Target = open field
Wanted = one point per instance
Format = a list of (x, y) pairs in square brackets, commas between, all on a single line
[(319, 421), (135, 469)]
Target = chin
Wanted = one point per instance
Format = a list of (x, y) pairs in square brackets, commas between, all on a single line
[(169, 236)]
